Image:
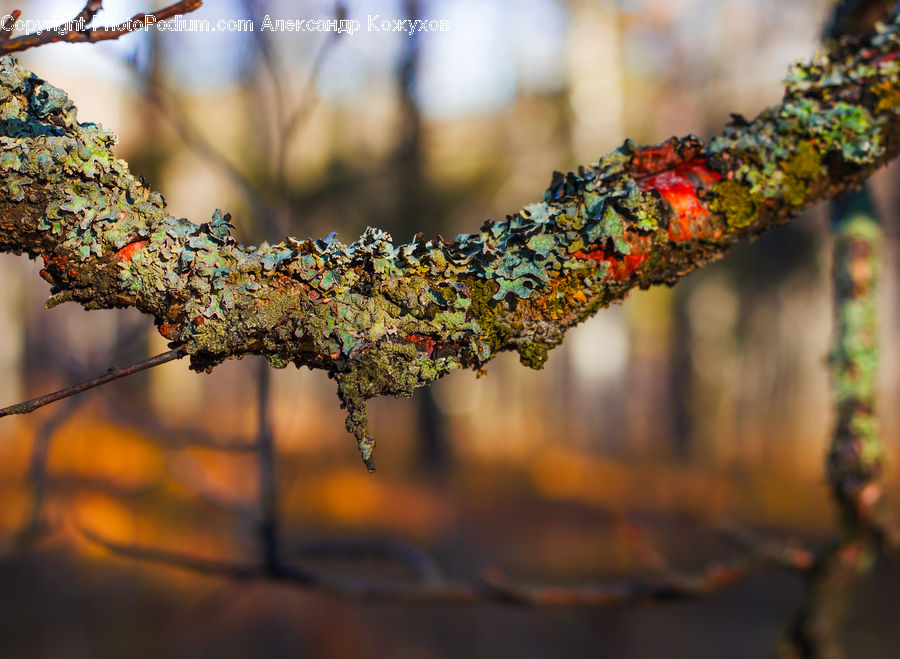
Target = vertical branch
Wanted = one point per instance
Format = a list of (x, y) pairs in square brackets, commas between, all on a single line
[(855, 458), (265, 459), (854, 461), (412, 194)]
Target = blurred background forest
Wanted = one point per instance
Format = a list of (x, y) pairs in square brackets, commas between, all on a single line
[(680, 408)]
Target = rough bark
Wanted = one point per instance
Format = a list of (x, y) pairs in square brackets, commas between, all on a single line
[(383, 318)]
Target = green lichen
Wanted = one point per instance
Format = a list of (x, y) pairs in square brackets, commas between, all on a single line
[(533, 354), (734, 201), (801, 168), (484, 309)]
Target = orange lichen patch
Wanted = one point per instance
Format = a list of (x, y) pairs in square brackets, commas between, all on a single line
[(281, 282), (679, 186), (57, 265), (621, 267), (558, 300), (128, 251), (60, 263), (425, 342), (167, 331)]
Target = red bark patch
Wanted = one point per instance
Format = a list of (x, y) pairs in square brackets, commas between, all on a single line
[(425, 342), (128, 251), (882, 59), (620, 267), (679, 186), (167, 331)]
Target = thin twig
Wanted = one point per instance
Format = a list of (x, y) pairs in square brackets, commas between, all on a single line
[(29, 406), (493, 588), (789, 555), (76, 31)]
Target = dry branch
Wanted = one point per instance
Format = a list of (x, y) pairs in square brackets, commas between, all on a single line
[(112, 374), (77, 30), (493, 588)]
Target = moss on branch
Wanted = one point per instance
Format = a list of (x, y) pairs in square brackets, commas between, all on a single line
[(383, 319)]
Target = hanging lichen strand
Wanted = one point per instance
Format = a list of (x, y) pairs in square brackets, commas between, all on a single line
[(385, 319)]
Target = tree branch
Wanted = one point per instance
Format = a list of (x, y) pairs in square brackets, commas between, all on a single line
[(384, 319), (113, 374), (77, 30), (494, 588)]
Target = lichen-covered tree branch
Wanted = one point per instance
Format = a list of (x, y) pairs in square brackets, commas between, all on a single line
[(383, 319)]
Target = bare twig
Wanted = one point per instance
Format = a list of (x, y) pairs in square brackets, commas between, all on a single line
[(789, 555), (29, 406), (77, 30), (493, 588)]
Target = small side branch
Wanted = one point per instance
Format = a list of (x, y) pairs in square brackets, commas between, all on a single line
[(29, 406), (493, 588), (77, 30)]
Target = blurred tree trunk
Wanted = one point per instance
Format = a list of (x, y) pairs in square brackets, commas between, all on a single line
[(413, 191)]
